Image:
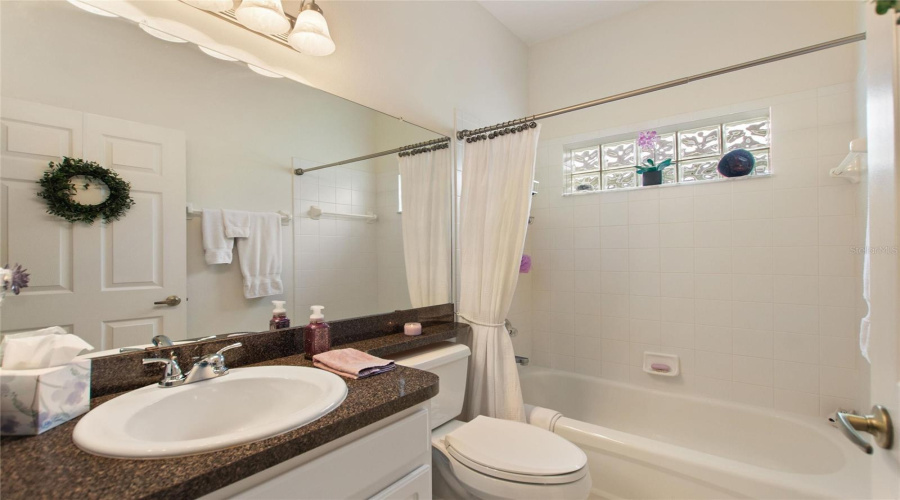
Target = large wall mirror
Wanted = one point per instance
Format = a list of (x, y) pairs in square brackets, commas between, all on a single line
[(190, 128)]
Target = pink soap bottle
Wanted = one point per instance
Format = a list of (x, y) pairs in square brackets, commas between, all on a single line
[(317, 334), (279, 316)]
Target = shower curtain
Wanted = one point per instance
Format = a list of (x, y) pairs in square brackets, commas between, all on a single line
[(496, 199), (426, 195)]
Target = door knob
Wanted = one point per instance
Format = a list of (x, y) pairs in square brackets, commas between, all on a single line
[(171, 301), (878, 424)]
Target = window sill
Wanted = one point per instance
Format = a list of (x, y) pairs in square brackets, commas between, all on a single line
[(672, 184)]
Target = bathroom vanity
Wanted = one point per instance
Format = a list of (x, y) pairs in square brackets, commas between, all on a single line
[(375, 444)]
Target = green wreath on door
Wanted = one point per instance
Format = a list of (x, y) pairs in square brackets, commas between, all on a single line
[(58, 188)]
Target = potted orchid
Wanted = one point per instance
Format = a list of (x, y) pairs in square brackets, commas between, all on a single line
[(650, 170)]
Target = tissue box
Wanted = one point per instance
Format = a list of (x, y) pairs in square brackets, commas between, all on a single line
[(33, 401)]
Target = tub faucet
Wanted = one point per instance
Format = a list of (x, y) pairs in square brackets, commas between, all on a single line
[(522, 360)]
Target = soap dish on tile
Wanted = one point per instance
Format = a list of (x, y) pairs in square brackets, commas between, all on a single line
[(656, 363)]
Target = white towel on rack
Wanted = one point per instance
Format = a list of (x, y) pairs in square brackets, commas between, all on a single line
[(237, 223), (259, 252), (216, 245)]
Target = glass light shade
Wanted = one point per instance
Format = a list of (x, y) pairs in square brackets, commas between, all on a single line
[(216, 54), (310, 34), (90, 8), (162, 35), (211, 5), (264, 16), (263, 72)]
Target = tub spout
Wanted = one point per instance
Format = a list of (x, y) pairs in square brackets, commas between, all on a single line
[(522, 360)]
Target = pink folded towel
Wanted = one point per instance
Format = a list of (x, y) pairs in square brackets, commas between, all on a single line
[(352, 363)]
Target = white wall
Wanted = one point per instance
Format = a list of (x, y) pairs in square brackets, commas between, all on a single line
[(752, 282), (415, 60)]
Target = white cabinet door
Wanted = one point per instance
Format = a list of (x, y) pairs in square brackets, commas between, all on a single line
[(98, 281)]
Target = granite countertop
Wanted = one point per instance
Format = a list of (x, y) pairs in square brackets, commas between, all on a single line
[(51, 466)]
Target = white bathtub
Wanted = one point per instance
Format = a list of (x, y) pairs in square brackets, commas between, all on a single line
[(643, 443)]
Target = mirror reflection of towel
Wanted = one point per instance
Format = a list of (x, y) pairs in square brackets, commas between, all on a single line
[(217, 247), (258, 238)]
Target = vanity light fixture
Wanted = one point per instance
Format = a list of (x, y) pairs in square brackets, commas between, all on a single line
[(162, 35), (310, 34), (211, 5), (90, 8), (307, 33), (264, 16), (216, 54), (263, 72)]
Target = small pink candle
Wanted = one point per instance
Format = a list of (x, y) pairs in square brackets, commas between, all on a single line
[(412, 329)]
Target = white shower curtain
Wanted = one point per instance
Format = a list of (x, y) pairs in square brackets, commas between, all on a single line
[(427, 201), (496, 198)]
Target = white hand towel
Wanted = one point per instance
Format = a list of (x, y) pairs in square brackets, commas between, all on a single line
[(237, 223), (216, 245), (259, 252), (40, 349)]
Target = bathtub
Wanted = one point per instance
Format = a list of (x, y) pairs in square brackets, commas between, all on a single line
[(644, 443)]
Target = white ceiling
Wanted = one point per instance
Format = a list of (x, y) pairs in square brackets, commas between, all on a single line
[(535, 21)]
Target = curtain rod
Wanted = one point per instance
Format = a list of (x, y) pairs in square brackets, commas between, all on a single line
[(462, 134), (444, 141)]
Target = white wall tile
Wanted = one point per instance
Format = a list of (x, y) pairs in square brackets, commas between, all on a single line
[(678, 285), (712, 260), (614, 214), (713, 338), (753, 343), (676, 209), (751, 370), (795, 231), (796, 347), (796, 318), (643, 212), (753, 205), (752, 233), (713, 365), (712, 234), (752, 284), (644, 236), (676, 235), (801, 202)]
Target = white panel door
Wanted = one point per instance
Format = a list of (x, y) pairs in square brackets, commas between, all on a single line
[(101, 282)]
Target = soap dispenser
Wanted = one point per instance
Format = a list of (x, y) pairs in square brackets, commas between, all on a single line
[(279, 316), (317, 334)]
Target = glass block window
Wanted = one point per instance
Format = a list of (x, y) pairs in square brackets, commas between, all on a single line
[(695, 153)]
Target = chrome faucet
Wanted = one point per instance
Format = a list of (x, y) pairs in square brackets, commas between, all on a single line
[(207, 367)]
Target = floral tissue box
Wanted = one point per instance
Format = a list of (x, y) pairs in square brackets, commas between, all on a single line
[(33, 401)]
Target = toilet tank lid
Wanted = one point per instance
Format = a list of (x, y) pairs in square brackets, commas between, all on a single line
[(430, 356)]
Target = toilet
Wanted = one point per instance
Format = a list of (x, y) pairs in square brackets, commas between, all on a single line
[(489, 458)]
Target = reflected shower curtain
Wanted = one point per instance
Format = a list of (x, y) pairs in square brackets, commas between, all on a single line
[(427, 200), (496, 199)]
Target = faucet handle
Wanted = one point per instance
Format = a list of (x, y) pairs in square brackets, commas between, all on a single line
[(230, 347), (173, 375)]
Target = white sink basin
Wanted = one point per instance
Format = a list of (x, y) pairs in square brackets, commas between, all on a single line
[(246, 405)]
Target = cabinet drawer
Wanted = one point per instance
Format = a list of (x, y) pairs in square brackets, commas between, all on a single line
[(359, 469), (415, 486)]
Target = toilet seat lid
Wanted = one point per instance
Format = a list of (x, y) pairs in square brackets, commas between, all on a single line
[(516, 449)]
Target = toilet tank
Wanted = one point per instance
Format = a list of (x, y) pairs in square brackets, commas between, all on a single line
[(450, 362)]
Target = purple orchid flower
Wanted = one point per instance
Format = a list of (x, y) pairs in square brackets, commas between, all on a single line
[(648, 140), (17, 279)]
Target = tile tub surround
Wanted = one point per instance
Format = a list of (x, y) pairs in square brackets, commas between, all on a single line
[(51, 466), (754, 283), (381, 333)]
